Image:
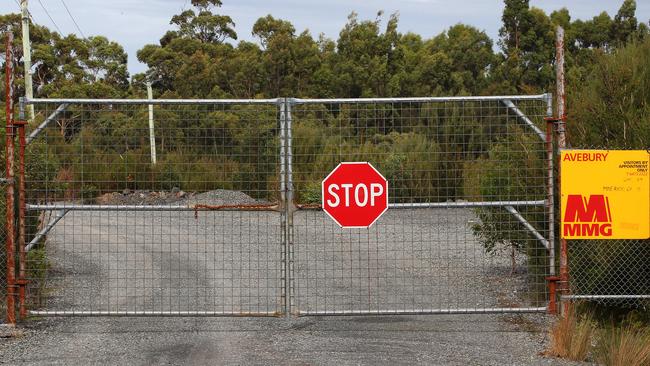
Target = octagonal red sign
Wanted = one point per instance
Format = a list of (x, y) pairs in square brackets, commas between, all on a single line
[(355, 195)]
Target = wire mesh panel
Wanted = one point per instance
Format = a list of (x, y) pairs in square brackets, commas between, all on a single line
[(212, 207), (467, 227), (174, 213), (610, 272)]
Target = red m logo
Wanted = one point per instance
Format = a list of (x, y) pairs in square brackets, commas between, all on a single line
[(587, 218), (579, 209)]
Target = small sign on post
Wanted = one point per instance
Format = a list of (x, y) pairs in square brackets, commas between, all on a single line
[(355, 195), (605, 194)]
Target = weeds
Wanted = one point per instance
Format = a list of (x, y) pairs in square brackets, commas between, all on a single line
[(623, 346), (624, 343), (571, 336)]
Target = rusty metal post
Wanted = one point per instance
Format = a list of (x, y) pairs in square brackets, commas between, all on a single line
[(561, 143), (552, 294), (10, 244), (559, 80), (22, 281)]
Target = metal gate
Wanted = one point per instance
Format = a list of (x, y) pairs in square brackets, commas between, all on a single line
[(211, 207)]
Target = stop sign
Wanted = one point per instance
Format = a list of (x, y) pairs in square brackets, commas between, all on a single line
[(355, 195)]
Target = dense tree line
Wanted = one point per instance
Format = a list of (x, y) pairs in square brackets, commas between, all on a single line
[(198, 57)]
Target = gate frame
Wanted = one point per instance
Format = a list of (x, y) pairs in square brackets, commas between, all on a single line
[(286, 207)]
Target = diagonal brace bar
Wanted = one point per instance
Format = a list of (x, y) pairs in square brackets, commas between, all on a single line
[(47, 121), (59, 215), (528, 226), (508, 103)]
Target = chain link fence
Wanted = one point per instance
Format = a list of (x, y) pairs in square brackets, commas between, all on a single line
[(610, 272)]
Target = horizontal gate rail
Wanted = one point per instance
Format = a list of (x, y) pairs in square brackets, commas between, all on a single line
[(82, 313), (425, 311), (540, 97), (154, 101), (153, 313), (75, 207), (604, 297), (446, 205)]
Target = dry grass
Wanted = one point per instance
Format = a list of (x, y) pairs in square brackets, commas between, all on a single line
[(571, 336), (623, 346)]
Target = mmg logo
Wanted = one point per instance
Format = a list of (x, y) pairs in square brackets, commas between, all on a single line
[(587, 217)]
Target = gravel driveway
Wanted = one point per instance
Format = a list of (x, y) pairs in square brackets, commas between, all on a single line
[(229, 262)]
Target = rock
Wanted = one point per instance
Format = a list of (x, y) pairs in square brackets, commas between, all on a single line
[(126, 191)]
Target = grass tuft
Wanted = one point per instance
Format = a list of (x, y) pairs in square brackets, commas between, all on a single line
[(571, 336), (623, 346)]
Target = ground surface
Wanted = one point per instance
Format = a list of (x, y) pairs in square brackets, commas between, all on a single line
[(225, 262), (395, 340)]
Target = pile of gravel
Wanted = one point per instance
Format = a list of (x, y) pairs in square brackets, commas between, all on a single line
[(175, 196), (221, 197), (141, 197)]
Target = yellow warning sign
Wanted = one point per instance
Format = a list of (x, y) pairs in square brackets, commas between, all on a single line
[(605, 194)]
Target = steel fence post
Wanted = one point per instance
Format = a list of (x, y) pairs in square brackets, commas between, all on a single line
[(561, 144), (283, 207), (552, 278), (10, 244), (551, 184), (290, 207)]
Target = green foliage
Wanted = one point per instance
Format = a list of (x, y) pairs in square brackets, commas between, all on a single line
[(205, 26), (514, 171), (611, 104), (37, 267), (312, 193)]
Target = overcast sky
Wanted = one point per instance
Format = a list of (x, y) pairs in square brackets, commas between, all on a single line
[(134, 23)]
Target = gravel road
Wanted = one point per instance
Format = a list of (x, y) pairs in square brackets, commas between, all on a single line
[(229, 262)]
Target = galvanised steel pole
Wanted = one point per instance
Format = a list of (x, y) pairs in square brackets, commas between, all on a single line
[(152, 134), (290, 207), (27, 56), (552, 278), (283, 213)]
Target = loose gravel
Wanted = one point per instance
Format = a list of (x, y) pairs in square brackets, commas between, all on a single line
[(230, 261)]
